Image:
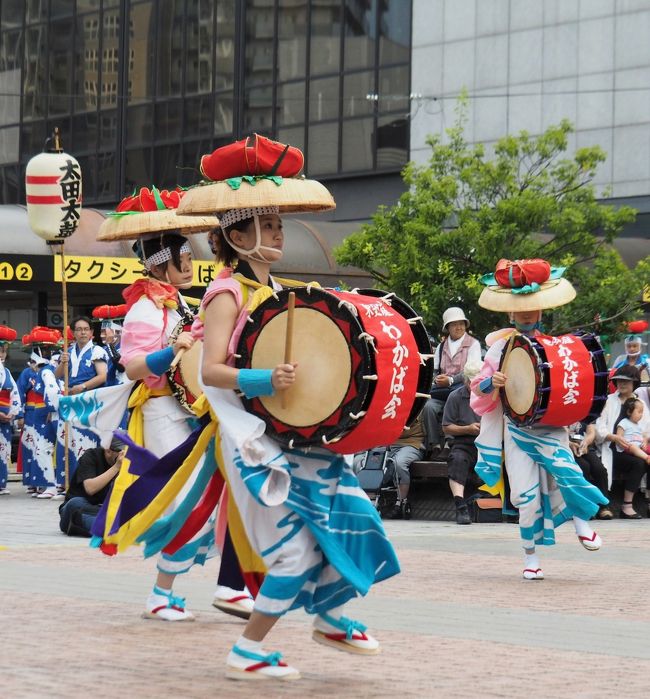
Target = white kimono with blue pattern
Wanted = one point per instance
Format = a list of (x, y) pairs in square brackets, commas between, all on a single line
[(546, 484), (304, 513)]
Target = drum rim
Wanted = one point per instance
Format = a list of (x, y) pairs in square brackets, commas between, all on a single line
[(180, 391), (291, 437)]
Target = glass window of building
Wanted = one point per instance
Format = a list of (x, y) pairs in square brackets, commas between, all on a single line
[(140, 89)]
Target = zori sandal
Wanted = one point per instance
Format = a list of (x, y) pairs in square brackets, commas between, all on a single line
[(345, 634), (246, 665)]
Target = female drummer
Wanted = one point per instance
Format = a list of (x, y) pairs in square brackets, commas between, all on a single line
[(309, 563), (546, 485), (155, 308)]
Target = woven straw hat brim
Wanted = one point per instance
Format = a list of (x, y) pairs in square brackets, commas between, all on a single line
[(554, 293), (133, 226), (292, 196)]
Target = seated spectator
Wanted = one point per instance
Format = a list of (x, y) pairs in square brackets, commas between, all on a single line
[(461, 425), (582, 439), (629, 466), (629, 428), (89, 487), (412, 446), (451, 355)]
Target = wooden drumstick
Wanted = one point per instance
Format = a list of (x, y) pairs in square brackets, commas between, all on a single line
[(288, 341), (495, 394), (177, 358)]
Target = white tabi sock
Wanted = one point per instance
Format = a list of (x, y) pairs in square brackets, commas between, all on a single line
[(250, 646), (531, 561), (582, 527)]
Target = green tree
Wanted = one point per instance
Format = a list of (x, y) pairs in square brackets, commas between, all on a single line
[(464, 211)]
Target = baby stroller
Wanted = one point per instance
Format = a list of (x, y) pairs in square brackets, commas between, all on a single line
[(378, 478)]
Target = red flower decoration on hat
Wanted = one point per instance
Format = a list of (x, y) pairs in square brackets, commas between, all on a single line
[(514, 274), (40, 335), (7, 334), (254, 155), (637, 326), (150, 200), (107, 312)]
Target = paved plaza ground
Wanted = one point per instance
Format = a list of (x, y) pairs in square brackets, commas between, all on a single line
[(459, 622)]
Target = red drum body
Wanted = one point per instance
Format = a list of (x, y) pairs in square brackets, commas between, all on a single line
[(359, 368), (554, 381)]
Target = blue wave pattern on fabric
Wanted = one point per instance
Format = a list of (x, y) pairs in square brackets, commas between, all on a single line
[(488, 463), (81, 407), (542, 532), (581, 498), (325, 497)]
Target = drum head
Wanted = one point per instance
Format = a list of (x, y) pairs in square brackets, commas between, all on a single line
[(332, 360), (425, 378), (322, 353), (522, 380), (523, 400)]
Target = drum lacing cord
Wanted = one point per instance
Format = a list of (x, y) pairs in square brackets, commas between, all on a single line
[(424, 358), (370, 377), (369, 339), (330, 441), (311, 286), (414, 320), (350, 306), (290, 445), (423, 395), (356, 416)]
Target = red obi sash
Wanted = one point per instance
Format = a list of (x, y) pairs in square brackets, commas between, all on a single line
[(5, 398), (35, 400)]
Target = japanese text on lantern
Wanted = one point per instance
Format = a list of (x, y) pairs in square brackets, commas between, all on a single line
[(70, 185)]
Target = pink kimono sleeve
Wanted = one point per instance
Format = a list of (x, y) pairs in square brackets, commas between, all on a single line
[(479, 402)]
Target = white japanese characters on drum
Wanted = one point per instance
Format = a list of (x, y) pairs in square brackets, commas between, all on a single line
[(400, 352)]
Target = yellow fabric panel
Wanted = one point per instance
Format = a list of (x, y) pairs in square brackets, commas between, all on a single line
[(127, 534), (136, 431)]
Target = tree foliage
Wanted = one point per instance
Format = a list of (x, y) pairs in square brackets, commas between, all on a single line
[(464, 211)]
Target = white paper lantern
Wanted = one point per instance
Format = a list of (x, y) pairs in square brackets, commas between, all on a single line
[(53, 187)]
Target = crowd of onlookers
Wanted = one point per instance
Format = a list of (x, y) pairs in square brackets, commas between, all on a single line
[(615, 446)]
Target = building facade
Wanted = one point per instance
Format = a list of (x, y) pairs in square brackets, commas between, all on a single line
[(528, 64), (140, 89)]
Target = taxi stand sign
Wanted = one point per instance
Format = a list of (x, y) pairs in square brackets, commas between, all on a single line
[(18, 269), (119, 270)]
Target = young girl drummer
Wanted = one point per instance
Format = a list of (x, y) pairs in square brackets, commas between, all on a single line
[(156, 309), (307, 525), (547, 486)]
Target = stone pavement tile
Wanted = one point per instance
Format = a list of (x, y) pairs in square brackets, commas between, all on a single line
[(584, 586), (63, 650)]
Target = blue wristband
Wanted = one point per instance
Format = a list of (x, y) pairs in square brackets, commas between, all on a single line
[(255, 382), (158, 362), (486, 385)]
